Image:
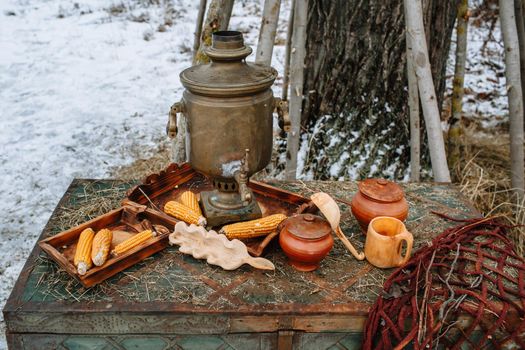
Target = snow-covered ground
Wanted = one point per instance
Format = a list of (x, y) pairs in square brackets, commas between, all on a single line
[(485, 100), (85, 86)]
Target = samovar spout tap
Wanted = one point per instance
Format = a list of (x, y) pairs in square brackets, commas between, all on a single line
[(241, 176)]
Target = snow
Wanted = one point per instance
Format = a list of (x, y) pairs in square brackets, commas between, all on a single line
[(335, 168), (301, 156), (85, 86)]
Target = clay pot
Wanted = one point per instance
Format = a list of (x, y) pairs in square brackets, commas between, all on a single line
[(305, 239), (378, 197)]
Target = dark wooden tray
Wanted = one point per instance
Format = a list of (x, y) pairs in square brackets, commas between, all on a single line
[(124, 222), (167, 185)]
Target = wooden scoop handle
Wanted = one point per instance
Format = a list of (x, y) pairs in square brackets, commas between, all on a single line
[(348, 245), (260, 263)]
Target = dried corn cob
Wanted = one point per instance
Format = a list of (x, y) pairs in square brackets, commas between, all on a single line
[(190, 200), (101, 245), (83, 253), (134, 241), (254, 228), (182, 212)]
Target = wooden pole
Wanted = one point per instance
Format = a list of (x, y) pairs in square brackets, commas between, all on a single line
[(286, 77), (296, 85), (268, 32), (413, 104), (427, 92), (514, 93), (455, 131), (519, 8), (198, 27)]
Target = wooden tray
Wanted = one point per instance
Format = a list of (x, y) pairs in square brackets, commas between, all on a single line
[(124, 222), (167, 185)]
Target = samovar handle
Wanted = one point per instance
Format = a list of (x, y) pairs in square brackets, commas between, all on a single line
[(171, 127)]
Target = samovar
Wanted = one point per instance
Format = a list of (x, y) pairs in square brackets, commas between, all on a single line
[(228, 106)]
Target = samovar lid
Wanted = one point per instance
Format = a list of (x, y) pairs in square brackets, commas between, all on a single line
[(228, 74)]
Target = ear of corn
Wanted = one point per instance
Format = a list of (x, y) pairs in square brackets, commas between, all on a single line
[(190, 200), (101, 245), (82, 258), (134, 241), (182, 212), (254, 228)]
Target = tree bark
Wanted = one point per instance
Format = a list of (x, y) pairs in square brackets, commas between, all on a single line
[(455, 131), (268, 31), (356, 86), (296, 86), (218, 18), (413, 105), (515, 96)]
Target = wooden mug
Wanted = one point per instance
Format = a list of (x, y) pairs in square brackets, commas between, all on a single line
[(384, 241)]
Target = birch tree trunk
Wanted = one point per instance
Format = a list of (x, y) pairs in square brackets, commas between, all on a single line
[(296, 86), (455, 131), (287, 53), (356, 92), (268, 31), (218, 18), (520, 26), (427, 91), (413, 105), (198, 27), (513, 77)]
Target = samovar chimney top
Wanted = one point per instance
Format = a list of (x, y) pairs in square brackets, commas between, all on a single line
[(227, 39)]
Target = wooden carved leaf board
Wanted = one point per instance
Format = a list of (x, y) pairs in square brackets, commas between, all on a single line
[(215, 248)]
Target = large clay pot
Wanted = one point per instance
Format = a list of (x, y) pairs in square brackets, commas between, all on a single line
[(378, 197), (306, 239)]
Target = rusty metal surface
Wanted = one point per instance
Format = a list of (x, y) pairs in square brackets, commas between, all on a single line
[(228, 105), (170, 282), (229, 74)]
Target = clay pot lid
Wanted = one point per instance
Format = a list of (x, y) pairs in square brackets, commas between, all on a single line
[(381, 190), (307, 226)]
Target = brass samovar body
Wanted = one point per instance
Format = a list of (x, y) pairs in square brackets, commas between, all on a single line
[(228, 106)]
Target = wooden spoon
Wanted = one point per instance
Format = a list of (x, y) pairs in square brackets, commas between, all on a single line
[(330, 210)]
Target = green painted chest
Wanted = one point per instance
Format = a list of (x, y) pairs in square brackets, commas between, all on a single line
[(172, 301)]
